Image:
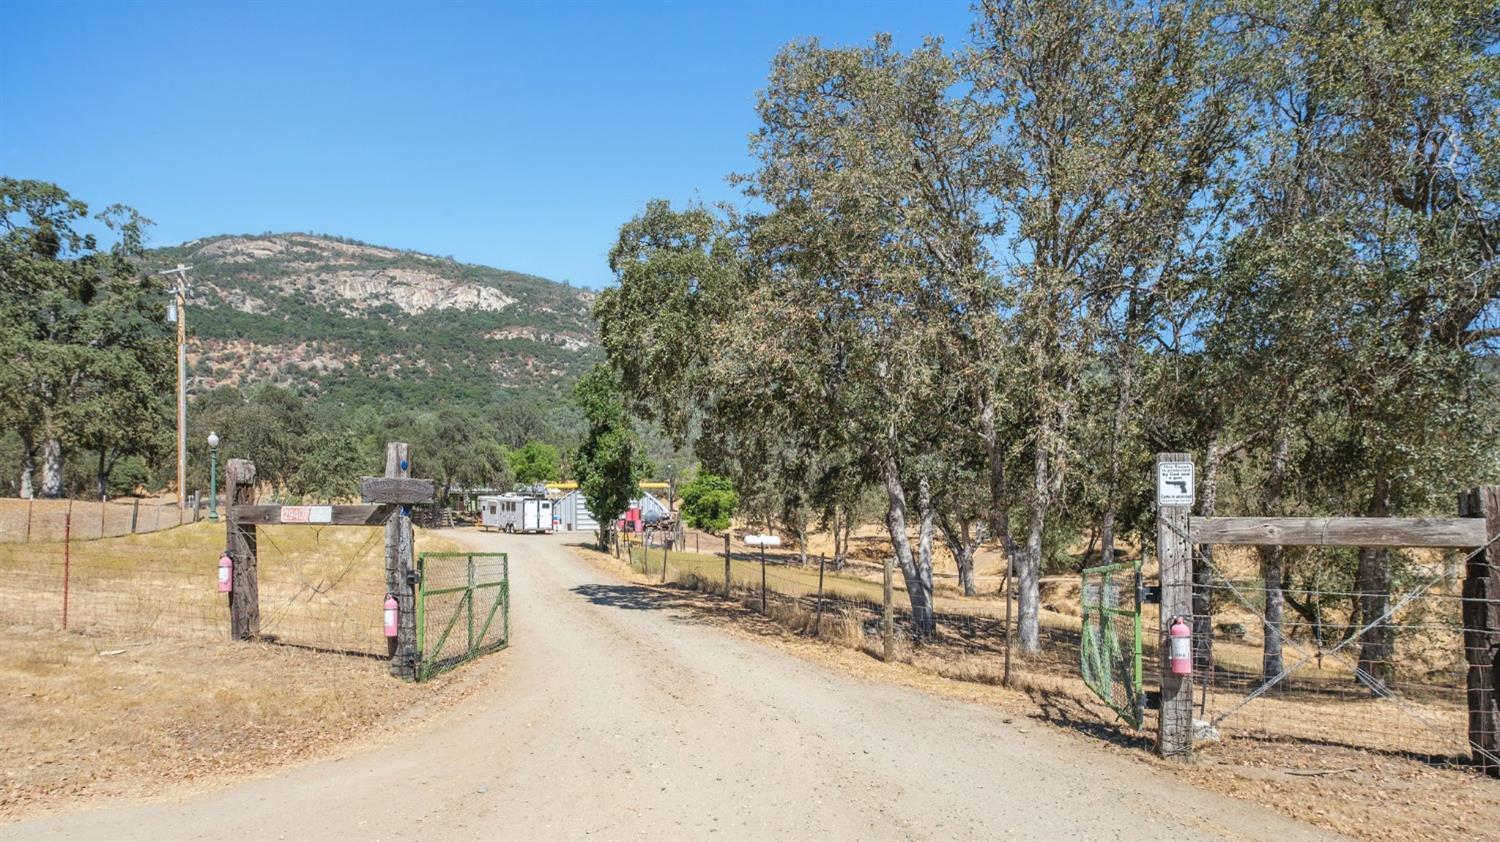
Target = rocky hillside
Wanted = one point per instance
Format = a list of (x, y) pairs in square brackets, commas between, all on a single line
[(361, 323)]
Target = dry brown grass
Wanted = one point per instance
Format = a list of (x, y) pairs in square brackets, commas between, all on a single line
[(88, 717)]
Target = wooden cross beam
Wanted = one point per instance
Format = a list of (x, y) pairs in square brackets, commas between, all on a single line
[(403, 491), (313, 515)]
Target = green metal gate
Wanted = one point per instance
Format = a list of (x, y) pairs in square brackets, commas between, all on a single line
[(463, 608), (1110, 651)]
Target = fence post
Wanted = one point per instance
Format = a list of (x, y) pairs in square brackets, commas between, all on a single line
[(399, 570), (818, 623), (728, 580), (135, 514), (29, 503), (762, 578), (1482, 630), (102, 512), (888, 616), (67, 563), (241, 541), (1174, 735), (665, 548)]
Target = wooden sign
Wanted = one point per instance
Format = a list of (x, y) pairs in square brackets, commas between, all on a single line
[(400, 490)]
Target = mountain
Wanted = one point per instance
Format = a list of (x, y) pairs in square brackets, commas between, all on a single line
[(360, 324)]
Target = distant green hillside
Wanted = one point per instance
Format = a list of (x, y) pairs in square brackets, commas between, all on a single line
[(362, 325)]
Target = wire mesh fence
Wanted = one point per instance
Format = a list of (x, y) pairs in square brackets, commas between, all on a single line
[(321, 587), (128, 586), (1319, 661), (23, 521)]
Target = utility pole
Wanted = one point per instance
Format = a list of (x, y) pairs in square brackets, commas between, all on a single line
[(178, 313)]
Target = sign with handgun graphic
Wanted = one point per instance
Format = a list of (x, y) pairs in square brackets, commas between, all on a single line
[(1174, 483)]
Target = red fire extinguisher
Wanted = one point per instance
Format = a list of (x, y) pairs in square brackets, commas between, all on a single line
[(226, 570), (391, 611), (1182, 647)]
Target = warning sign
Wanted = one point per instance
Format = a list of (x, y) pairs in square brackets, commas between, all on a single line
[(1174, 483)]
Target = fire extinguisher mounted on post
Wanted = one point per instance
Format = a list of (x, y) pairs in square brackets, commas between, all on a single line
[(1181, 635), (392, 612), (226, 572)]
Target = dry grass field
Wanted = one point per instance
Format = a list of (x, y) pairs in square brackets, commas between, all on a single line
[(145, 693), (319, 586), (88, 717)]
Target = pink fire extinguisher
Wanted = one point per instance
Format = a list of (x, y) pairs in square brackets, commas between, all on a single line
[(391, 612), (226, 571), (1182, 647)]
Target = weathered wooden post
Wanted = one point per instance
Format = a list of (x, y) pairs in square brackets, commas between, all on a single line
[(888, 617), (1482, 630), (240, 543), (818, 623), (400, 569), (135, 514), (728, 575), (1174, 501)]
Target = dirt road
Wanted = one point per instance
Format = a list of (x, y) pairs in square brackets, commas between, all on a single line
[(614, 716)]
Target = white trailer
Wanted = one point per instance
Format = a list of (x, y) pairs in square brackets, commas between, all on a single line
[(515, 513)]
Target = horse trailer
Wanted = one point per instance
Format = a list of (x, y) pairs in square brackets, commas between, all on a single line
[(515, 513)]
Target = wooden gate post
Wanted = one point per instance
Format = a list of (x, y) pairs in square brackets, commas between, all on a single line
[(1482, 630), (400, 570), (1174, 734), (240, 542)]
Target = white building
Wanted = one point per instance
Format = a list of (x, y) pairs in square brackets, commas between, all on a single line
[(572, 513)]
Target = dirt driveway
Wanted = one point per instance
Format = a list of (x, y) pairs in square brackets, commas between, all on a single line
[(614, 716)]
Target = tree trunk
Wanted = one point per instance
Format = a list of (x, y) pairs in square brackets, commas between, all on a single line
[(963, 540), (52, 467), (1372, 581), (1117, 435), (1272, 569), (28, 467), (102, 474), (1273, 563), (801, 527), (921, 598), (1203, 619), (924, 553), (1029, 565), (843, 558)]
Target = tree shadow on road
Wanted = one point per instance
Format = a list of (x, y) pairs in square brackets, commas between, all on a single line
[(687, 606)]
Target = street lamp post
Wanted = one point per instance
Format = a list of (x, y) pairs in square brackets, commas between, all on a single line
[(213, 476)]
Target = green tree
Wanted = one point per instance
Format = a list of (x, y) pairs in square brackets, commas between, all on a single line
[(611, 460), (332, 465), (83, 337), (709, 502), (535, 462)]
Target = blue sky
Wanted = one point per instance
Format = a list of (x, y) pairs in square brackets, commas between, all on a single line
[(517, 135)]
